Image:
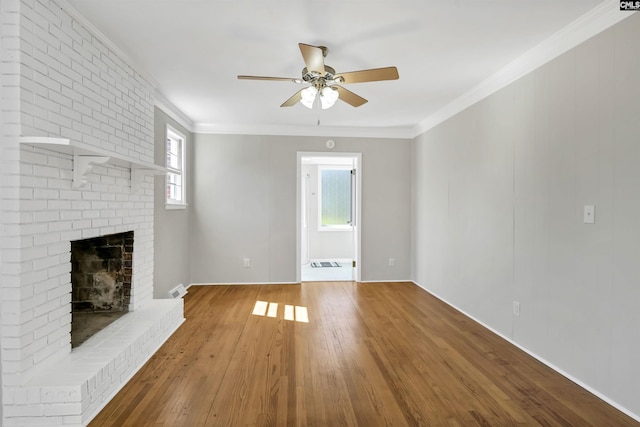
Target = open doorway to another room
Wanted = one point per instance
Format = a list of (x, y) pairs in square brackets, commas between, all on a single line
[(328, 221)]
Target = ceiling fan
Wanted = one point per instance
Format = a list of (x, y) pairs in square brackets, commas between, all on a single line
[(324, 81)]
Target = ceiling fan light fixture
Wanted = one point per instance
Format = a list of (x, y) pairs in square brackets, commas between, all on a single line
[(328, 97), (308, 96)]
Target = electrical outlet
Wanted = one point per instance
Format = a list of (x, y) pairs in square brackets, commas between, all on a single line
[(392, 262), (589, 214), (516, 308), (247, 262)]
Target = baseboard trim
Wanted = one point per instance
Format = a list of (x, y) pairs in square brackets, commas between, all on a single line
[(386, 281), (537, 357), (241, 283), (294, 283)]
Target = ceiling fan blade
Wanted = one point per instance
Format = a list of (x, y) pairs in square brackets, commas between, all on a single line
[(349, 97), (313, 58), (281, 79), (293, 100), (374, 75)]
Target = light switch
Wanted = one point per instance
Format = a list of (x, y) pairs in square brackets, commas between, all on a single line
[(589, 214)]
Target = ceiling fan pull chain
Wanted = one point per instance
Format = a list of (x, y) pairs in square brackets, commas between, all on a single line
[(318, 107)]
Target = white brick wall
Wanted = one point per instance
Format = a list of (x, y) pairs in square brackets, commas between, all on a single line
[(59, 80), (75, 87), (11, 241)]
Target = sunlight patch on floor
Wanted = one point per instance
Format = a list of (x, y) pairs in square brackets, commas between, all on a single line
[(292, 313)]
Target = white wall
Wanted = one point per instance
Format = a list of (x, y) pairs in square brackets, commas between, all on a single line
[(244, 206), (498, 202), (334, 244)]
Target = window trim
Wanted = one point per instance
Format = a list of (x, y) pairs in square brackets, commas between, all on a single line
[(170, 204)]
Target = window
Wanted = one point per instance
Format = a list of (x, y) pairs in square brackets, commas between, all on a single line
[(335, 197), (175, 197)]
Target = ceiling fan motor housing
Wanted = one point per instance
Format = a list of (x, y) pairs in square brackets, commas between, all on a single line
[(312, 76)]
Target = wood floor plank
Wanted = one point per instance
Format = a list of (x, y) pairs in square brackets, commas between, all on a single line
[(379, 354)]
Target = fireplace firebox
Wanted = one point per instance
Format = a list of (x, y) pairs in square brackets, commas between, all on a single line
[(101, 274)]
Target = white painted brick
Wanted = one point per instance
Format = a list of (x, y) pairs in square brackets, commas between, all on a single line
[(82, 225), (11, 230), (46, 216), (45, 263), (59, 226), (46, 171), (46, 238), (45, 193), (69, 195), (72, 420), (61, 269), (58, 204), (34, 422), (45, 330), (44, 286), (26, 193), (24, 411), (32, 181), (47, 82), (100, 222), (42, 355), (65, 320), (70, 215), (69, 236), (98, 188), (33, 277), (61, 162), (33, 253), (33, 157), (61, 184), (63, 295)]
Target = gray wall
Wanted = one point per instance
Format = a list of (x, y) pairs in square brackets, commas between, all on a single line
[(244, 206), (171, 227), (2, 156), (498, 202)]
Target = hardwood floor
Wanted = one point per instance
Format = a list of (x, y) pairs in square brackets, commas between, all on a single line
[(370, 355)]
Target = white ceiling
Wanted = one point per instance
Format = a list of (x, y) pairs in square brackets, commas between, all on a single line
[(193, 50)]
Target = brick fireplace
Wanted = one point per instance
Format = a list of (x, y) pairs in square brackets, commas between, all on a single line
[(60, 81)]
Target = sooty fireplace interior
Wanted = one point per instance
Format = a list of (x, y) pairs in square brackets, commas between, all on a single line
[(101, 272)]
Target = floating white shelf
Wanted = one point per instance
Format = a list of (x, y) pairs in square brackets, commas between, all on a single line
[(86, 156)]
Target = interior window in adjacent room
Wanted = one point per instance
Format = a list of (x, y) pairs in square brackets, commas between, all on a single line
[(175, 188), (335, 197)]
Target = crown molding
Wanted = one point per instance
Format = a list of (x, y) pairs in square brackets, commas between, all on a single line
[(325, 131), (162, 103), (588, 25)]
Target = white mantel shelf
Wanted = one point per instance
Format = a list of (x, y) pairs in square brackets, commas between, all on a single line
[(86, 156)]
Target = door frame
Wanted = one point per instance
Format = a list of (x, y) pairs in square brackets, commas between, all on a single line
[(358, 227)]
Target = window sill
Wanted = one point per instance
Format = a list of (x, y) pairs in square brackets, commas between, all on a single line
[(172, 207), (335, 228)]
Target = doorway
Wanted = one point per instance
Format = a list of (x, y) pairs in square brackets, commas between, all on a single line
[(328, 213)]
